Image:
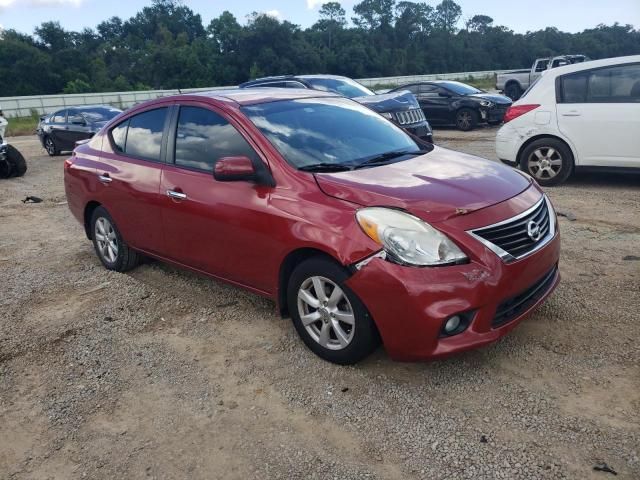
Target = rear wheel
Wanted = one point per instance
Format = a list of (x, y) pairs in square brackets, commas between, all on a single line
[(50, 147), (329, 317), (109, 245), (513, 91), (548, 160), (466, 119)]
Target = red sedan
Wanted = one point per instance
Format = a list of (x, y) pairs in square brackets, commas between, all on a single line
[(358, 231)]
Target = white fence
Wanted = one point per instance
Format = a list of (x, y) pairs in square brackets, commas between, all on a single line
[(24, 106)]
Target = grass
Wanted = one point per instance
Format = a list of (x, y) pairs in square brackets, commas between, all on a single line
[(22, 125)]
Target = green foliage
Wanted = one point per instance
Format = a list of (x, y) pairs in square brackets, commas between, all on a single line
[(166, 46), (77, 86)]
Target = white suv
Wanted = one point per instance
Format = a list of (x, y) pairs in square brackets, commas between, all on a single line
[(580, 115)]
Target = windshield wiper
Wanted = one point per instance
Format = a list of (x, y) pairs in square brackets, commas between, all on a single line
[(326, 167), (385, 157)]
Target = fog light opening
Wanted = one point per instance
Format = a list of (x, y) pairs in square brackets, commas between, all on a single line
[(456, 324)]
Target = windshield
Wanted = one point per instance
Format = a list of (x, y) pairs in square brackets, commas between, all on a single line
[(344, 86), (100, 114), (327, 131), (461, 88)]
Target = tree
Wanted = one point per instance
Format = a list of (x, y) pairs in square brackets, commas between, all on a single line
[(479, 23), (373, 14), (447, 15), (334, 13)]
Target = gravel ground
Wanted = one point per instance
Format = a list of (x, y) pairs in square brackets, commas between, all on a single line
[(164, 374)]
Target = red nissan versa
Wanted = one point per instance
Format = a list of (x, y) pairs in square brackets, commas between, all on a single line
[(359, 233)]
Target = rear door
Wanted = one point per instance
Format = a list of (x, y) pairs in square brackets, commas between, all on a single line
[(217, 227), (599, 111), (129, 176), (57, 129)]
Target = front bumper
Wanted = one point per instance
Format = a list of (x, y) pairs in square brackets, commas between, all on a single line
[(420, 130), (410, 305)]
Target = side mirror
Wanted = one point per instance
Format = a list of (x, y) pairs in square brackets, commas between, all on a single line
[(234, 169)]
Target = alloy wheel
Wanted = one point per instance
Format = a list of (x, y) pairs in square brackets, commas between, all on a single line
[(544, 163), (50, 146), (326, 313), (106, 239), (464, 120)]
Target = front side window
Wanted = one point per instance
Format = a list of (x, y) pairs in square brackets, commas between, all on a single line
[(76, 118), (144, 135), (328, 131), (428, 91), (203, 137), (100, 114), (119, 136), (461, 88)]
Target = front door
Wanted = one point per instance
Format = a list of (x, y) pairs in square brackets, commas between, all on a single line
[(213, 226), (599, 111), (434, 106)]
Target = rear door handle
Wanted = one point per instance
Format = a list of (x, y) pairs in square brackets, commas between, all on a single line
[(571, 113), (176, 195), (105, 178)]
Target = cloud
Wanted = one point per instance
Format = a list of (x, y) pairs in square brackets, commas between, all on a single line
[(311, 4), (271, 13)]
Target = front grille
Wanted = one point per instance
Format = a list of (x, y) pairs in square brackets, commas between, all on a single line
[(516, 306), (520, 235), (410, 116)]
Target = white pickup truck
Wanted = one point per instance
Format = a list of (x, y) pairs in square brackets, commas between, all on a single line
[(514, 83)]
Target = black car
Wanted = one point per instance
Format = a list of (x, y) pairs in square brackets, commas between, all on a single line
[(459, 104), (59, 131), (401, 108)]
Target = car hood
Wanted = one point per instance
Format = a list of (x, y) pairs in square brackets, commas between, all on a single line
[(390, 102), (492, 97), (435, 186)]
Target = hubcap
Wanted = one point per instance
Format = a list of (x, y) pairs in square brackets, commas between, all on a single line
[(106, 239), (50, 146), (545, 163), (326, 313)]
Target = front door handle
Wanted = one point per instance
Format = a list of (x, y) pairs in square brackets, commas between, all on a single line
[(105, 178), (176, 195), (572, 113)]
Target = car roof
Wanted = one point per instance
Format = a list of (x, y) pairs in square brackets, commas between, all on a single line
[(588, 65), (279, 78), (93, 107), (253, 96)]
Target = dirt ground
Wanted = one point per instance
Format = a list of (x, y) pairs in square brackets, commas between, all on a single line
[(164, 374)]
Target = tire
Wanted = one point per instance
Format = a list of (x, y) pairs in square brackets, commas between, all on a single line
[(113, 252), (51, 147), (466, 119), (513, 91), (17, 161), (5, 168), (548, 160), (344, 326)]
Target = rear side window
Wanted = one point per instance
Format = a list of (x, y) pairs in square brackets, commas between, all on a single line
[(203, 136), (141, 135), (619, 84)]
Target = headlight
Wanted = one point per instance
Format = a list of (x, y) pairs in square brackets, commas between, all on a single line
[(387, 115), (486, 103), (407, 239)]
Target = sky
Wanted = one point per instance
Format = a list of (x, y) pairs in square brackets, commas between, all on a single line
[(520, 16)]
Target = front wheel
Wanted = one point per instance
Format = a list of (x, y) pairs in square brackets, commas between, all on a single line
[(328, 316), (50, 147), (548, 160), (111, 249), (466, 119)]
